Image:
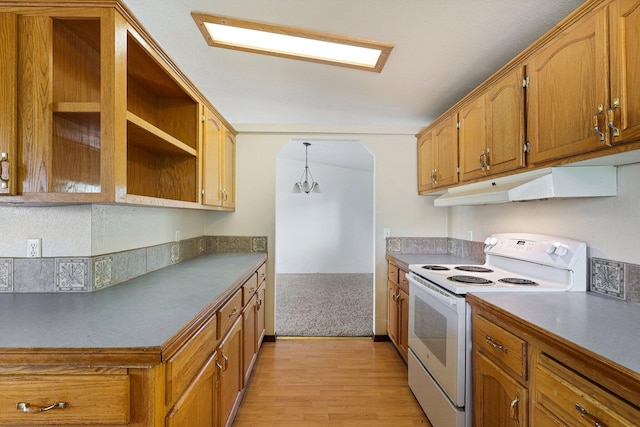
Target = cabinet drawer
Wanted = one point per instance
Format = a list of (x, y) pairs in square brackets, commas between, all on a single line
[(392, 273), (229, 312), (262, 273), (249, 288), (89, 399), (182, 366), (504, 348), (577, 401)]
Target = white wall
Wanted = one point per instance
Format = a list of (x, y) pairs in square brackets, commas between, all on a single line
[(327, 232), (609, 225), (397, 204)]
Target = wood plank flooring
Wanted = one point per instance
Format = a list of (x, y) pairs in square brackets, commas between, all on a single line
[(329, 382)]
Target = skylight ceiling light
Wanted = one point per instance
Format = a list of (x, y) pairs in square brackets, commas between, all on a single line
[(292, 43)]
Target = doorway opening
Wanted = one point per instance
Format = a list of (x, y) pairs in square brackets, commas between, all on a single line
[(325, 241)]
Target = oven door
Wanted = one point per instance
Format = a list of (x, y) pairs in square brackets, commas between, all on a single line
[(437, 335)]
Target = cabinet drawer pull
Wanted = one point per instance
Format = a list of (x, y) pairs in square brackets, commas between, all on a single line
[(233, 312), (4, 170), (587, 416), (513, 409), (27, 407), (494, 344)]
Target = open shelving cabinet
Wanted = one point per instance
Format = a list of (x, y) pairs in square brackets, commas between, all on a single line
[(103, 114)]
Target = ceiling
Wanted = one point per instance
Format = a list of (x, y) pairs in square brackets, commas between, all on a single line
[(443, 49)]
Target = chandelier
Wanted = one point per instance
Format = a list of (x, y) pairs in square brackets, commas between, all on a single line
[(306, 183)]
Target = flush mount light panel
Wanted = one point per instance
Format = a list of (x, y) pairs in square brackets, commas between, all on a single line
[(292, 43)]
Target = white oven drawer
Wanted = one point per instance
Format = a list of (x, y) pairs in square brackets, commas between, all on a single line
[(434, 403)]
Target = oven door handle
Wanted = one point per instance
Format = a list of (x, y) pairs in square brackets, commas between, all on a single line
[(444, 299)]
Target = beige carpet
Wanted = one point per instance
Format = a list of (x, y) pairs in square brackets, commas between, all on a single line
[(324, 305)]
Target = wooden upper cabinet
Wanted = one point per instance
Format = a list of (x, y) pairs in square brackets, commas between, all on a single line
[(426, 162), (505, 117), (624, 24), (473, 139), (228, 169), (438, 154), (568, 89), (491, 134), (212, 159), (445, 142), (8, 103), (95, 112)]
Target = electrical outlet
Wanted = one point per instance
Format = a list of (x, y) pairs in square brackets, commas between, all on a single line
[(387, 232), (469, 235), (178, 235), (34, 248)]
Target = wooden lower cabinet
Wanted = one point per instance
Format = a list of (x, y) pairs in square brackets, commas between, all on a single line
[(196, 381), (524, 376), (499, 400), (231, 373), (398, 309), (198, 407)]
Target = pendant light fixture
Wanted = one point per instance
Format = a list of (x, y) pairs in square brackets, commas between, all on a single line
[(306, 183)]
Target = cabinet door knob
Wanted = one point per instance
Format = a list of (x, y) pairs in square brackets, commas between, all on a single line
[(596, 123), (513, 409), (611, 117)]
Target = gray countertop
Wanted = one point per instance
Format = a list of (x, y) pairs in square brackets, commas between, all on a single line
[(602, 325), (143, 312)]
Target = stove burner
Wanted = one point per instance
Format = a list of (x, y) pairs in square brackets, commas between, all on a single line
[(435, 267), (474, 269), (471, 280), (517, 281)]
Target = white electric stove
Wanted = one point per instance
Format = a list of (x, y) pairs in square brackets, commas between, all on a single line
[(440, 319), (516, 262)]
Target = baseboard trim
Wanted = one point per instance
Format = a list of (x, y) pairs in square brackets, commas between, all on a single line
[(381, 338)]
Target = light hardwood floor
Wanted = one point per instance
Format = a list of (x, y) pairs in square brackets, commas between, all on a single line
[(329, 382)]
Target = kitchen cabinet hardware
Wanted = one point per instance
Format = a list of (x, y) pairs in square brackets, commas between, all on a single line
[(494, 344), (4, 170), (33, 409), (611, 117), (596, 122), (513, 409), (233, 312), (587, 416)]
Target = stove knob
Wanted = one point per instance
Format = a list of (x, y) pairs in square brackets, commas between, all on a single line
[(556, 248), (491, 241)]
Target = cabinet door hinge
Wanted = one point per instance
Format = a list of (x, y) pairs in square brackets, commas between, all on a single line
[(458, 169), (458, 125), (525, 82), (527, 147), (203, 118)]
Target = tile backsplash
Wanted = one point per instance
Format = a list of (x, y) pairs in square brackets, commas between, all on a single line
[(87, 274), (615, 279), (437, 246)]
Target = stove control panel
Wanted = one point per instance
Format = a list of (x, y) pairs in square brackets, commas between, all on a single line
[(542, 249)]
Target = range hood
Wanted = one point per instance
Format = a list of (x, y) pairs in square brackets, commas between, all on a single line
[(548, 183)]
